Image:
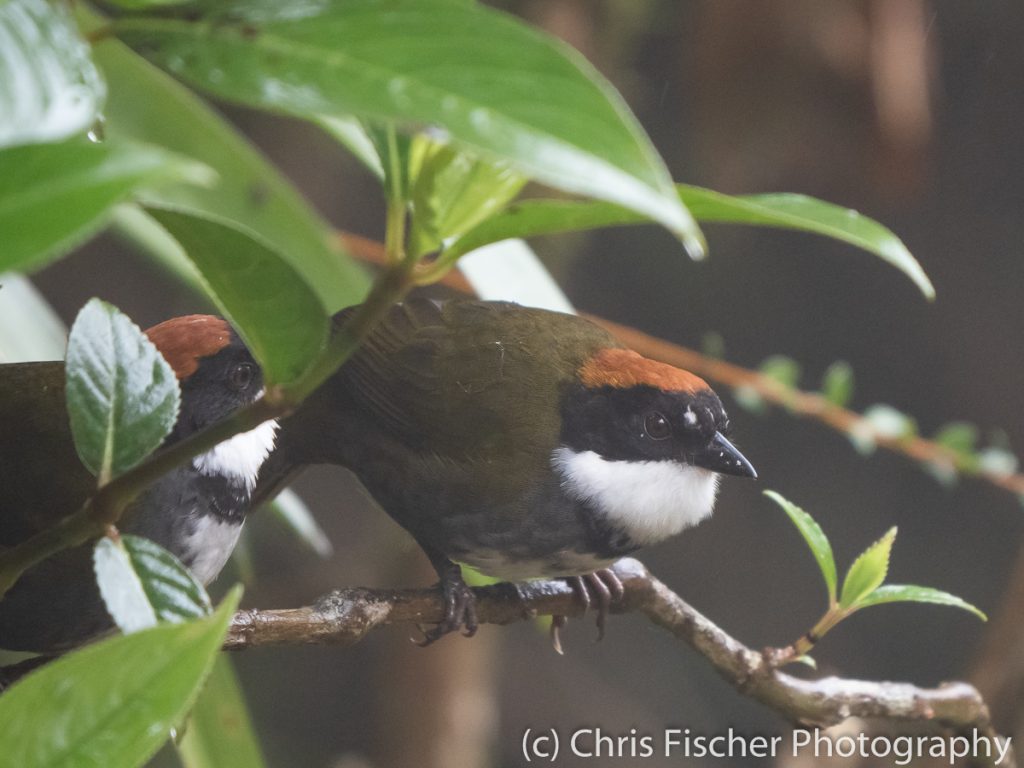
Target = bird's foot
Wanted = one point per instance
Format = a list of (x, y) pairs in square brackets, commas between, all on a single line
[(459, 607), (602, 587)]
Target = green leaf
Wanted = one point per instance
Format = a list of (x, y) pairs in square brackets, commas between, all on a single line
[(353, 135), (30, 329), (121, 588), (868, 571), (453, 192), (171, 589), (274, 310), (998, 461), (113, 703), (796, 212), (525, 98), (49, 88), (909, 593), (122, 396), (80, 180), (784, 370), (807, 214), (960, 437), (293, 513), (816, 540), (837, 383), (146, 104), (219, 733)]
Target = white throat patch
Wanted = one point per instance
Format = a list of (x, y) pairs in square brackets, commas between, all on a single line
[(239, 458), (649, 500)]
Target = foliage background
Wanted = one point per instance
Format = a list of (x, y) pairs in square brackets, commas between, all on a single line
[(793, 95)]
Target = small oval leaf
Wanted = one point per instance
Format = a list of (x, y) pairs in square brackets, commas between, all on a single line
[(120, 587), (909, 593), (270, 305), (50, 88), (868, 571), (172, 590), (816, 540), (122, 396), (112, 703), (837, 383)]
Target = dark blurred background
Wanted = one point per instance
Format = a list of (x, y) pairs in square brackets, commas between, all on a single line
[(907, 110)]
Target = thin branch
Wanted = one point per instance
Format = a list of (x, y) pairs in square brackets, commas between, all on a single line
[(798, 402), (346, 616)]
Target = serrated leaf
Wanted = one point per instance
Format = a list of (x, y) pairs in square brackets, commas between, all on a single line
[(173, 592), (219, 733), (527, 98), (816, 540), (120, 587), (49, 88), (112, 703), (291, 510), (795, 212), (837, 383), (54, 196), (145, 104), (274, 310), (868, 571), (122, 396), (909, 593), (784, 370)]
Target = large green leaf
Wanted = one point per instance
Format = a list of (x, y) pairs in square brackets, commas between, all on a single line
[(868, 571), (219, 733), (122, 395), (816, 540), (49, 88), (796, 212), (53, 196), (113, 703), (147, 104), (489, 81), (30, 329), (274, 309)]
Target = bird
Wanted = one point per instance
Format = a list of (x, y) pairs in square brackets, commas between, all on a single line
[(196, 511), (522, 442)]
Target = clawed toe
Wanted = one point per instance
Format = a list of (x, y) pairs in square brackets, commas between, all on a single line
[(602, 587), (459, 609)]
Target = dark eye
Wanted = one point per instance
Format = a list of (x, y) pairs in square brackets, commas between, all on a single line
[(656, 426), (241, 376)]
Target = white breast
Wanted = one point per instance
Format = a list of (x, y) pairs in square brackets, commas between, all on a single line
[(209, 546), (648, 500), (239, 458)]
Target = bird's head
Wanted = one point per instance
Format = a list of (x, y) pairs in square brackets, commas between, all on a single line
[(217, 375), (643, 443)]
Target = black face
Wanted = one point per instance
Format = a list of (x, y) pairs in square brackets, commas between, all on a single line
[(642, 423), (220, 385)]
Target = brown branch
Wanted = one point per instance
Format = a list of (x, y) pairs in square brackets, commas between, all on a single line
[(346, 616), (805, 404)]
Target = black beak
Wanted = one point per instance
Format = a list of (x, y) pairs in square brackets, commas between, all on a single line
[(723, 457)]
